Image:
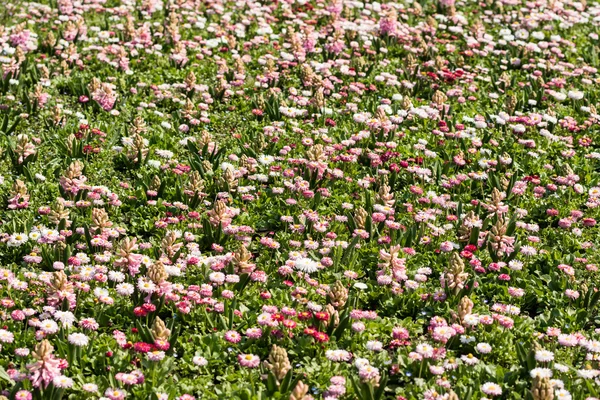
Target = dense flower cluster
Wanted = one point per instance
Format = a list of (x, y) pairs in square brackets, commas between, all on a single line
[(303, 199)]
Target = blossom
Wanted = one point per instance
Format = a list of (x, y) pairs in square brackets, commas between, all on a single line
[(22, 352), (23, 395), (232, 336), (540, 373), (48, 326), (78, 339), (469, 359), (200, 361), (115, 394), (46, 368), (156, 355), (6, 336), (249, 360), (17, 239), (62, 382), (125, 289), (425, 350), (575, 95), (483, 348), (89, 387), (544, 356), (588, 373), (347, 180), (306, 265), (562, 394), (338, 355), (491, 389)]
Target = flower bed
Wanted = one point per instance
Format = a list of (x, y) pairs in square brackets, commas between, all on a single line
[(299, 200)]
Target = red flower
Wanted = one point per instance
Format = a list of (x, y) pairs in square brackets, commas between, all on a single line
[(148, 307), (74, 261), (310, 331), (589, 222), (87, 149), (322, 316), (98, 132), (321, 337), (466, 254), (471, 248), (139, 312), (304, 315), (288, 323), (142, 347), (277, 317)]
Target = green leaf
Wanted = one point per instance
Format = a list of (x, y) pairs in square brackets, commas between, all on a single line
[(381, 388), (594, 300), (343, 325), (271, 383), (286, 382), (4, 376)]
